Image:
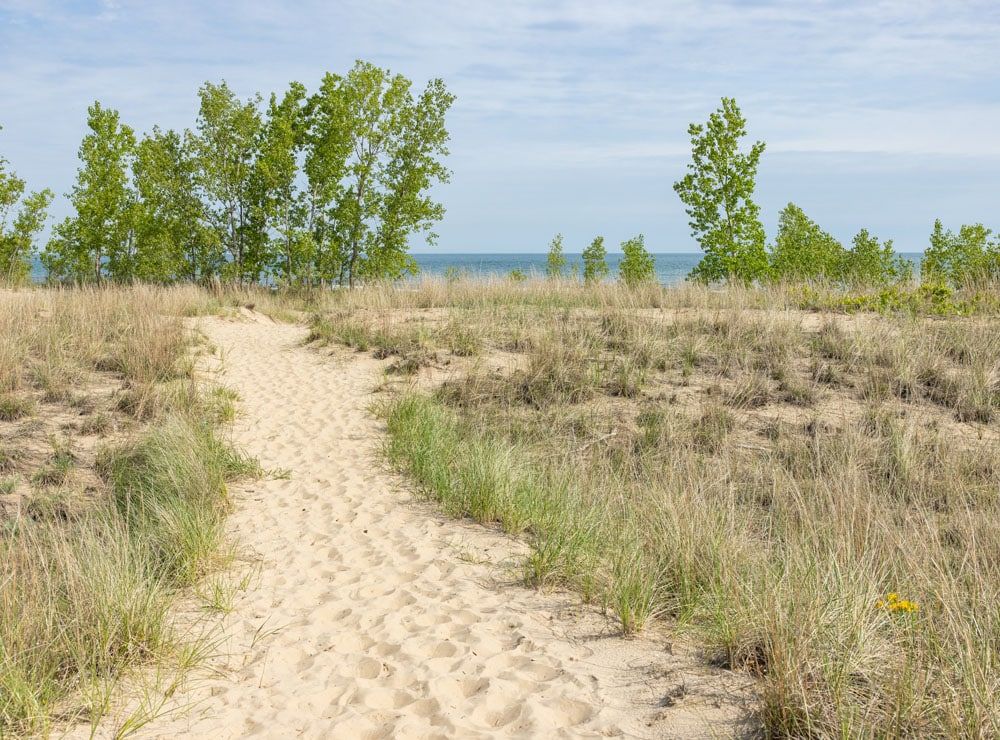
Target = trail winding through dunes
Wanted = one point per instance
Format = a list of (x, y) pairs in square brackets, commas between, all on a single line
[(372, 616)]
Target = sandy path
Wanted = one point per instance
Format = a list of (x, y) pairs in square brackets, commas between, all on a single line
[(372, 616)]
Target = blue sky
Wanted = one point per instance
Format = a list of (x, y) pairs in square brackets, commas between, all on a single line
[(571, 116)]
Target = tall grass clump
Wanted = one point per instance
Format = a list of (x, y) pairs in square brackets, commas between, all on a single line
[(86, 590), (83, 600)]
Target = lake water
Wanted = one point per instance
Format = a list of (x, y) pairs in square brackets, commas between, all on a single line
[(671, 267)]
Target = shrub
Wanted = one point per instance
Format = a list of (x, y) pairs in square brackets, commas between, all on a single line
[(595, 263), (556, 261), (873, 263), (804, 251), (637, 265), (15, 407), (960, 259)]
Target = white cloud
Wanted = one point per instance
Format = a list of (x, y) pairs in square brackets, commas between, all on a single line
[(541, 86)]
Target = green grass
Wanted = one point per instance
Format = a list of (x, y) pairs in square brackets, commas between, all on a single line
[(774, 561), (90, 576), (14, 407), (86, 598), (761, 480)]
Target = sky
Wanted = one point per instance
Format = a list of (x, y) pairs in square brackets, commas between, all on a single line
[(570, 117)]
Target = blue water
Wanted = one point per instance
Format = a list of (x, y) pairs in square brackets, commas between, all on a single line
[(671, 267)]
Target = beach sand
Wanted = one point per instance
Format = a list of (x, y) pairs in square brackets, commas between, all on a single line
[(370, 615)]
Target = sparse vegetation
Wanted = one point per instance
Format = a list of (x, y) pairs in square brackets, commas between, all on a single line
[(100, 535), (765, 477)]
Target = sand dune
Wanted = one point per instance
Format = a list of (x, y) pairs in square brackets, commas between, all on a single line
[(372, 616)]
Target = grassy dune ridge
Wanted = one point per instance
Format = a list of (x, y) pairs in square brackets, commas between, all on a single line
[(815, 495), (101, 532)]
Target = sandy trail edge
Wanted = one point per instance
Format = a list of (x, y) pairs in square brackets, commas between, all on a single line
[(379, 617)]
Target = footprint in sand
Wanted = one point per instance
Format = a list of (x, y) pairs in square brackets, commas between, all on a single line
[(376, 628)]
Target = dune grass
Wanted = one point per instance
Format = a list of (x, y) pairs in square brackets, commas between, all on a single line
[(815, 497), (88, 582)]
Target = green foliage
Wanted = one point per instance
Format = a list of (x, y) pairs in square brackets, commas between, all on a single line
[(517, 276), (595, 263), (928, 298), (873, 263), (172, 232), (637, 265), (375, 150), (99, 240), (19, 228), (227, 147), (286, 207), (962, 258), (305, 190), (803, 251), (556, 261), (717, 193)]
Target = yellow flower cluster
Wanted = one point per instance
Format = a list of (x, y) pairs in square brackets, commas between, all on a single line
[(892, 603)]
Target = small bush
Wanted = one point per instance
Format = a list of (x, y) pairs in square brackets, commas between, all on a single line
[(637, 265), (14, 407), (750, 391)]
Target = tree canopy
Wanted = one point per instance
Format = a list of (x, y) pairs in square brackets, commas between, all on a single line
[(328, 187), (21, 219), (717, 193), (595, 260), (555, 262), (637, 265), (802, 250), (960, 258)]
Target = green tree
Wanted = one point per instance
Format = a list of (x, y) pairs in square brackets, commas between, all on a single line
[(99, 240), (19, 225), (959, 258), (227, 147), (873, 263), (595, 261), (555, 263), (374, 152), (287, 208), (802, 250), (637, 265), (717, 193), (172, 233)]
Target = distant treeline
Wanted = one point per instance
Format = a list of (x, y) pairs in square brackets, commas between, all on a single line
[(327, 187), (717, 193), (330, 188)]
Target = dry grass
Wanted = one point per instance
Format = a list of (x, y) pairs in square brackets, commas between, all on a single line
[(105, 517), (765, 477)]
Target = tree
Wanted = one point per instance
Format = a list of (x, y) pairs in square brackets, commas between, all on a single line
[(173, 238), (595, 263), (100, 239), (717, 193), (960, 258), (556, 261), (872, 263), (804, 251), (227, 147), (19, 226), (374, 151), (288, 210), (637, 265)]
